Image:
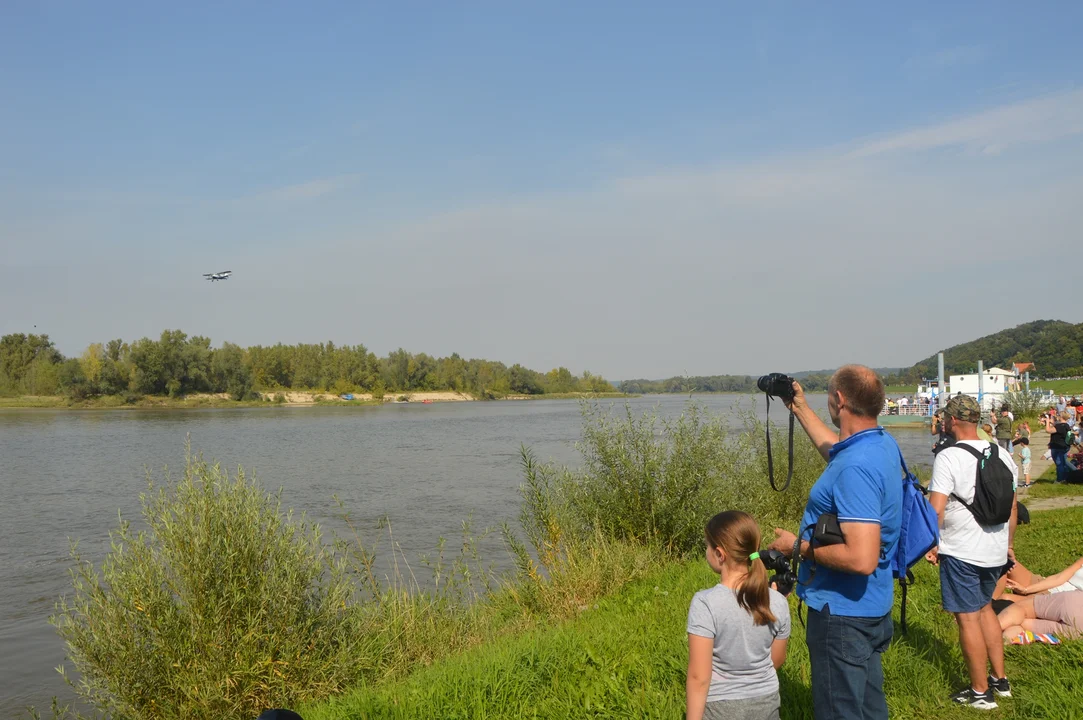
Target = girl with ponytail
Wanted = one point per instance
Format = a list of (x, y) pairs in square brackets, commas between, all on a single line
[(737, 630)]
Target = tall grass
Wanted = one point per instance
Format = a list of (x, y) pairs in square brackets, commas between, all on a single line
[(655, 482)]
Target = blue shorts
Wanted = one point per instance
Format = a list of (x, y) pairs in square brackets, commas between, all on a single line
[(966, 588)]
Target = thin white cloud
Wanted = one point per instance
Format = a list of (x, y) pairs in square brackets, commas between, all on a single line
[(311, 189), (1042, 119)]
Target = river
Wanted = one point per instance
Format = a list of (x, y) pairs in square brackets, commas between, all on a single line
[(66, 474)]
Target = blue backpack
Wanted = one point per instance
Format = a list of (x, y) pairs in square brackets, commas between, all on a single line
[(919, 532)]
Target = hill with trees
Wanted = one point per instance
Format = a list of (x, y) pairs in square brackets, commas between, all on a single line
[(1055, 347), (176, 365)]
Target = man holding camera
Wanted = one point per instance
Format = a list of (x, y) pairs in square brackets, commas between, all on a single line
[(848, 534)]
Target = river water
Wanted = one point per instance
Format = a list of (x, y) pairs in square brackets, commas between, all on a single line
[(65, 475)]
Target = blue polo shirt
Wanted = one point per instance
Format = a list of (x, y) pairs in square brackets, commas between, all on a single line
[(861, 483)]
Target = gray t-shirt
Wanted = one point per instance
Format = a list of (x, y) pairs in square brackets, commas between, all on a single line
[(742, 665)]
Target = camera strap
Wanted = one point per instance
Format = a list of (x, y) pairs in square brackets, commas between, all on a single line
[(770, 455)]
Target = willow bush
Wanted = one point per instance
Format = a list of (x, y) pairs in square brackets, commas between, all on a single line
[(645, 490), (222, 607)]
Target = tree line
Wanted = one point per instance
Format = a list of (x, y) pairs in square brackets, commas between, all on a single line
[(1055, 348), (814, 382), (177, 364)]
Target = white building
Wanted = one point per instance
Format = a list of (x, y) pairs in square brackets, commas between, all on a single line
[(993, 380)]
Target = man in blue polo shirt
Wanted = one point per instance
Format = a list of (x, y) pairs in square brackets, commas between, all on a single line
[(847, 585)]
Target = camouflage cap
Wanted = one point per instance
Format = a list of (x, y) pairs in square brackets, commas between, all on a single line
[(963, 408)]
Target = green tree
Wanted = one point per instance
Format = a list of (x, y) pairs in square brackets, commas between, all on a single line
[(230, 374), (19, 351)]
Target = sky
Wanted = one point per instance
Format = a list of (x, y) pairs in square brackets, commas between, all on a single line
[(634, 189)]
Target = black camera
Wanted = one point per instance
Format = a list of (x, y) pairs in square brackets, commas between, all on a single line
[(784, 577), (780, 386), (776, 385)]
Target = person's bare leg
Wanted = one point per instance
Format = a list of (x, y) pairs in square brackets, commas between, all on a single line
[(1012, 632), (994, 641), (972, 642), (1020, 610)]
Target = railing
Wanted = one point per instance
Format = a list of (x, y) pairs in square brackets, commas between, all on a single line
[(989, 400), (916, 409)]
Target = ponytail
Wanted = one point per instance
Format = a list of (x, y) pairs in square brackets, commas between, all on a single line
[(753, 593), (737, 533)]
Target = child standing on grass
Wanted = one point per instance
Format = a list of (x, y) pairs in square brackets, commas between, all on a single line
[(737, 630), (1024, 457)]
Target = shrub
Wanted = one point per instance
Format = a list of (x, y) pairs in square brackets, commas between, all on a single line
[(221, 608), (657, 481), (646, 490), (1024, 404)]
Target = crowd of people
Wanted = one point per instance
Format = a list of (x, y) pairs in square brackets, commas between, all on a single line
[(738, 630)]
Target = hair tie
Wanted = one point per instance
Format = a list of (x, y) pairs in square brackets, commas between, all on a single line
[(754, 556)]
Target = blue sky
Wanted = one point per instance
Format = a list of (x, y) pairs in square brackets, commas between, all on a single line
[(633, 189)]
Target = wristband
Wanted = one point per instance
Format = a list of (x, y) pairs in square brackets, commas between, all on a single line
[(797, 550)]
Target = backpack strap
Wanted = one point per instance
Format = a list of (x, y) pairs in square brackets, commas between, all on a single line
[(980, 456), (904, 582)]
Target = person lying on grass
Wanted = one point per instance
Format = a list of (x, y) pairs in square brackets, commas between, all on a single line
[(1023, 582), (737, 630), (1052, 605)]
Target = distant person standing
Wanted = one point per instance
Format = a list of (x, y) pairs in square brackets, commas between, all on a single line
[(1059, 444), (1004, 429), (1023, 444), (943, 439), (972, 556)]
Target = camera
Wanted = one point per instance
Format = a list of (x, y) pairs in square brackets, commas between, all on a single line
[(780, 386), (780, 565), (777, 385)]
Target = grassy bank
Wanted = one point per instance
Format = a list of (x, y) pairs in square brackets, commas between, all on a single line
[(626, 657)]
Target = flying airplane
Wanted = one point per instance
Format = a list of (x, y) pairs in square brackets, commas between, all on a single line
[(224, 275)]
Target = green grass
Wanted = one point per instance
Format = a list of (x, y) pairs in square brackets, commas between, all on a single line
[(626, 657), (1047, 488), (1061, 387), (901, 389)]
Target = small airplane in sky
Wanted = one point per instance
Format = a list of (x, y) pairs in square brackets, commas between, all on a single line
[(224, 275)]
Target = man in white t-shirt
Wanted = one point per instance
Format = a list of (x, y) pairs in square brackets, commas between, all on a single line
[(972, 557)]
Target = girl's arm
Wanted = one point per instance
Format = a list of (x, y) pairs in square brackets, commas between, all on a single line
[(1050, 582), (778, 652), (700, 656)]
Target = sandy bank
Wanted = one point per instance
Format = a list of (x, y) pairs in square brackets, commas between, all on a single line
[(293, 397)]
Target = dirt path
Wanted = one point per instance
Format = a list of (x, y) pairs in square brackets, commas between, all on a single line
[(1039, 439), (1053, 503)]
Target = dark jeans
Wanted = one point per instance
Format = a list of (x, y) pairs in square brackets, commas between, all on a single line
[(847, 677), (1060, 459)]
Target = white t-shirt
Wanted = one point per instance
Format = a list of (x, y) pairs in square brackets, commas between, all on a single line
[(1074, 583), (962, 537)]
